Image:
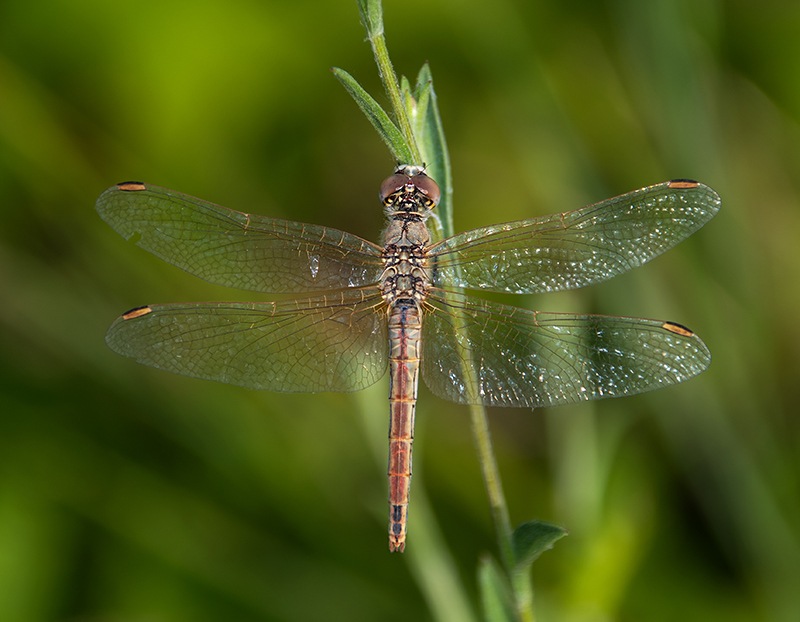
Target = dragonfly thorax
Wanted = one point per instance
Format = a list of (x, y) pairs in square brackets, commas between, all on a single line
[(404, 278)]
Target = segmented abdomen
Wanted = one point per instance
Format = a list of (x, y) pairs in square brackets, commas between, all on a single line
[(405, 325)]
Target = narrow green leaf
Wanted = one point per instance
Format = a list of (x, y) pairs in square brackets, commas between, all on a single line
[(377, 116), (531, 539), (371, 12), (422, 97), (428, 128), (408, 97), (495, 592), (424, 77)]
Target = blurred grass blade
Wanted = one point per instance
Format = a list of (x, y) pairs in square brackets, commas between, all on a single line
[(371, 12), (495, 592), (377, 116), (531, 539)]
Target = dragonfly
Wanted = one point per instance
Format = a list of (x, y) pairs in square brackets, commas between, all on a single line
[(360, 308)]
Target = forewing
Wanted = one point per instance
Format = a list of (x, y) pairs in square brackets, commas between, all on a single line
[(246, 251), (574, 249), (336, 342), (530, 359)]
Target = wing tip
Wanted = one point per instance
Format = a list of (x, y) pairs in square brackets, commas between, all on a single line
[(683, 331), (106, 199), (711, 200)]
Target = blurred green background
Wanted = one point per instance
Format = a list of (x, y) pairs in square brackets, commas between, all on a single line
[(127, 493)]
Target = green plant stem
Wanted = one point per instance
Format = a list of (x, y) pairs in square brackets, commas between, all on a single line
[(519, 581), (523, 596), (491, 479), (392, 88)]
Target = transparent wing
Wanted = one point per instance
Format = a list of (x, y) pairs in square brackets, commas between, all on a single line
[(574, 249), (336, 342), (530, 359), (246, 251)]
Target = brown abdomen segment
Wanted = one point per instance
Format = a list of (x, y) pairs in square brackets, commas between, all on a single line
[(405, 325)]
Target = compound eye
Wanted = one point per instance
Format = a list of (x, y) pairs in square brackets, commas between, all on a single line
[(428, 187), (392, 184)]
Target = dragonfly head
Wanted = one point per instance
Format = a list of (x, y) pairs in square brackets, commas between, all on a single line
[(409, 189)]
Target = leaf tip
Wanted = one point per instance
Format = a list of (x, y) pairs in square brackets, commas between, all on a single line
[(533, 538)]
